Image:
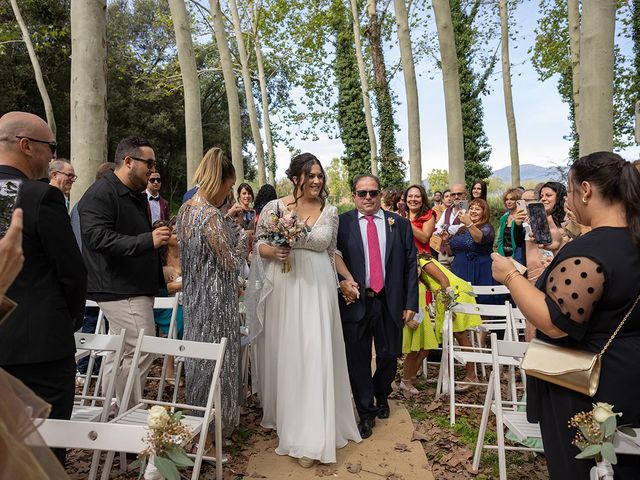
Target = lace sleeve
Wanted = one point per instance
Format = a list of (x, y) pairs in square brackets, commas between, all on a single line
[(331, 250), (226, 239), (573, 289)]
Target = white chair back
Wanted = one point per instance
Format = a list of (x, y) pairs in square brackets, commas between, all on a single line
[(490, 290)]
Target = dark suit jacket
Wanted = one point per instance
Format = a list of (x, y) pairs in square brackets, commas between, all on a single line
[(51, 288), (401, 277), (164, 208)]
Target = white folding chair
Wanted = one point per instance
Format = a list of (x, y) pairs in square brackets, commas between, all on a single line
[(168, 303), (92, 436), (198, 425), (504, 353), (451, 352), (490, 290), (85, 406), (623, 445)]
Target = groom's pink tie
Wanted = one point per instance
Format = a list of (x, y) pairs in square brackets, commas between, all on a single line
[(376, 282)]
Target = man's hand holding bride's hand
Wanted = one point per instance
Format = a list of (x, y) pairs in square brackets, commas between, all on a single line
[(350, 291)]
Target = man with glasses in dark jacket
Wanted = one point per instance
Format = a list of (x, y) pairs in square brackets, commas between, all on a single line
[(120, 250)]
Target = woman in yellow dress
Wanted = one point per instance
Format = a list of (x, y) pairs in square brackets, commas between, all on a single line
[(417, 342)]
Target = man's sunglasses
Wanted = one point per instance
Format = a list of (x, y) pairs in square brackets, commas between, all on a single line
[(364, 193), (53, 146), (155, 180), (150, 163)]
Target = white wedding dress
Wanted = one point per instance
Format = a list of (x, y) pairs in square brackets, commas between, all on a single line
[(303, 383)]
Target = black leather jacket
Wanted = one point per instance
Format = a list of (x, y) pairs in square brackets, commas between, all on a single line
[(117, 245)]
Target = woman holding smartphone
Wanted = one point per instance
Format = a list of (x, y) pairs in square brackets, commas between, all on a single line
[(511, 232)]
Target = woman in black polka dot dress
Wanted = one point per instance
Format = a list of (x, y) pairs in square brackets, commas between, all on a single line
[(579, 301)]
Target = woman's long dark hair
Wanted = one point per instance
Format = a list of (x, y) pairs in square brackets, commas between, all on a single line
[(265, 195), (617, 181), (300, 168), (558, 213), (425, 201)]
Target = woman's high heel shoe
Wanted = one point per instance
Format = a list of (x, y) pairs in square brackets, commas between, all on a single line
[(408, 387), (306, 462)]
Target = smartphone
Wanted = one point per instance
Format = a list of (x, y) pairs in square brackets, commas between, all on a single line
[(464, 205), (402, 209), (248, 219), (521, 205), (539, 224), (9, 195)]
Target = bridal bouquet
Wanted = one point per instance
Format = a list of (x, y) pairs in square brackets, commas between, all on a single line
[(164, 453), (594, 437), (283, 229)]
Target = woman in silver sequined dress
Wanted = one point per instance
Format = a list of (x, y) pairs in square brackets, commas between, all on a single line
[(212, 245)]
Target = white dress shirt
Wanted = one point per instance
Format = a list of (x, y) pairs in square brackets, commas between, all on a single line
[(453, 229), (154, 206), (378, 219)]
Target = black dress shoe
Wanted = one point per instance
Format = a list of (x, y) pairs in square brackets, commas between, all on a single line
[(365, 427), (383, 410)]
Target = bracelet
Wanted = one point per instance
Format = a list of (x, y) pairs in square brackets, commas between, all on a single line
[(509, 278)]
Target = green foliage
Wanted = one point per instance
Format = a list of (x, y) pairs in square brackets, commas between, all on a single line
[(350, 107), (438, 179), (337, 182), (476, 145)]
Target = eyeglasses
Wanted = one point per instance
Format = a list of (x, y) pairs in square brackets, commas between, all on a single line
[(53, 146), (71, 176), (371, 193), (150, 162), (457, 194), (155, 180)]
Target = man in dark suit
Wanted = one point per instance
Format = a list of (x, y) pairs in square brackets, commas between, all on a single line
[(36, 342), (157, 207), (380, 298)]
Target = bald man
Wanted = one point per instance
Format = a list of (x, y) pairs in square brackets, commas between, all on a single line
[(36, 341)]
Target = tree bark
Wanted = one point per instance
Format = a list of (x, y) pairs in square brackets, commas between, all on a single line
[(266, 120), (235, 124), (411, 89), (364, 83), (88, 91), (42, 88), (248, 92), (574, 45), (596, 75), (450, 80), (508, 97), (191, 86)]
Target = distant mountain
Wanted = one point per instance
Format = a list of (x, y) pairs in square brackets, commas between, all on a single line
[(529, 172)]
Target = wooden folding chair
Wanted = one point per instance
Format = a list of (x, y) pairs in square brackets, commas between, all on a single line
[(198, 425), (504, 353)]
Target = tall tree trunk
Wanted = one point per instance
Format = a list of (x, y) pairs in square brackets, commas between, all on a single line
[(42, 88), (248, 93), (508, 97), (88, 91), (235, 124), (597, 33), (411, 89), (450, 80), (391, 167), (364, 83), (574, 45), (266, 120), (190, 84)]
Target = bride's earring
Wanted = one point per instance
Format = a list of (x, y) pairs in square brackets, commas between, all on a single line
[(584, 200)]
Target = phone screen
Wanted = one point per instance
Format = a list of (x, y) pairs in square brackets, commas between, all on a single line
[(464, 205), (9, 191), (248, 217), (539, 224)]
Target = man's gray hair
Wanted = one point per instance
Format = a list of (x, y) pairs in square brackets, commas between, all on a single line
[(57, 165)]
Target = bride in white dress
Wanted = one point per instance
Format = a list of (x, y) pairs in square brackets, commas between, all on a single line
[(302, 382)]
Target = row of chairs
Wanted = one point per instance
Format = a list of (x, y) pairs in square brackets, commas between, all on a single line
[(98, 424)]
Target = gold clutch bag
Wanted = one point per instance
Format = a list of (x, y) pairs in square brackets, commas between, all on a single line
[(576, 370)]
